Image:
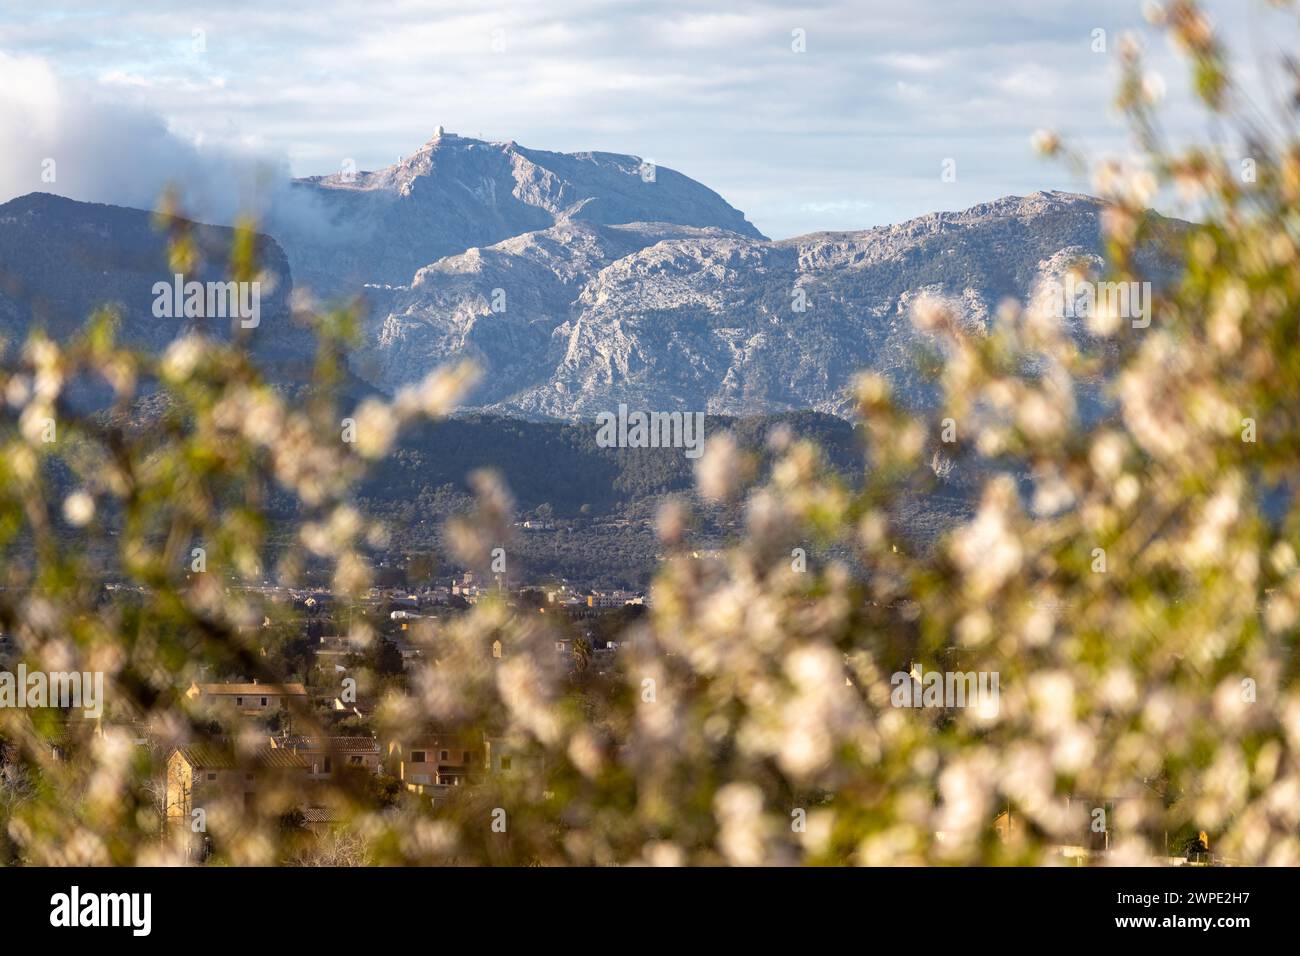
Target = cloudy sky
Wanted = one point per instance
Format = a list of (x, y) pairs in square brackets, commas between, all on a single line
[(853, 131)]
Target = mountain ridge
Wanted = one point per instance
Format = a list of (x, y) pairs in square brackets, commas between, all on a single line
[(711, 320), (598, 286)]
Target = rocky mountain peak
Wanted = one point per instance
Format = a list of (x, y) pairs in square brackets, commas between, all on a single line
[(454, 193)]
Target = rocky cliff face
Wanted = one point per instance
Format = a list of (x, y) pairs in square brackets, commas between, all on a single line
[(668, 318), (501, 305)]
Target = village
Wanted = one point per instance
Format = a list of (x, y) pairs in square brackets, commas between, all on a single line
[(305, 749)]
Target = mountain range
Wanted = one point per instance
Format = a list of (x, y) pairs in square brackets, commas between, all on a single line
[(575, 281)]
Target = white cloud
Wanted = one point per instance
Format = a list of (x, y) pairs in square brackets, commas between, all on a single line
[(910, 62), (102, 148)]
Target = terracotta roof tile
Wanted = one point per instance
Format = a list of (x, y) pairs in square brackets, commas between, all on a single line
[(217, 756)]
